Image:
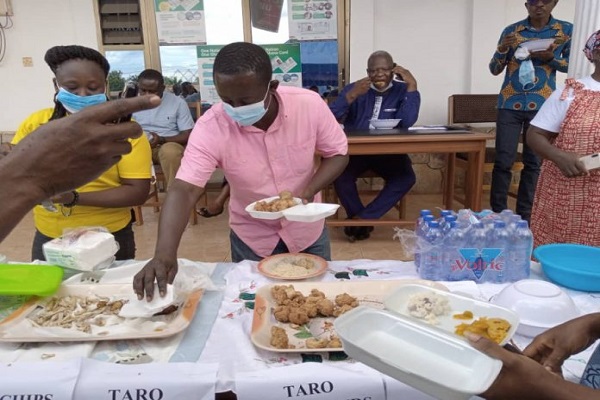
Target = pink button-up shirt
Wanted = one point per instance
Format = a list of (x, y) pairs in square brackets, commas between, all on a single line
[(260, 164)]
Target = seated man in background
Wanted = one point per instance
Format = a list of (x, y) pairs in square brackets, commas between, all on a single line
[(388, 92), (189, 92), (168, 126)]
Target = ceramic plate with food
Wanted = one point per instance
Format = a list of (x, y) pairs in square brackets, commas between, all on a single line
[(289, 266)]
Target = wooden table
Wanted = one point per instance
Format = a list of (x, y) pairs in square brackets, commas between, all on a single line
[(401, 141)]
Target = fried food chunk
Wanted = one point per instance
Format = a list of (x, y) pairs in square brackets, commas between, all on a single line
[(279, 338), (345, 299), (282, 313), (334, 342), (464, 315), (314, 343), (341, 310), (325, 307), (298, 316), (494, 329), (311, 309), (285, 200)]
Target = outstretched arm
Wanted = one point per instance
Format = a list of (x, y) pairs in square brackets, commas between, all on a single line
[(522, 378), (87, 142)]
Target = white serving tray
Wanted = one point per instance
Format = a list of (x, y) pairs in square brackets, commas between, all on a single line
[(369, 293), (18, 328)]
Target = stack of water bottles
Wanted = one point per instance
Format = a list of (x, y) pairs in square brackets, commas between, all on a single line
[(482, 247)]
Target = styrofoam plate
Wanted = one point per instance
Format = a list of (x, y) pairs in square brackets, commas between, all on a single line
[(265, 214), (398, 300), (537, 45), (310, 212)]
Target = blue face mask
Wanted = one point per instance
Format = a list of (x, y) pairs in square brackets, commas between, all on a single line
[(249, 114), (74, 103), (527, 75)]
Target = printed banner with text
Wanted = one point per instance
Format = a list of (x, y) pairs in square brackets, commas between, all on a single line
[(180, 21), (312, 19), (285, 61)]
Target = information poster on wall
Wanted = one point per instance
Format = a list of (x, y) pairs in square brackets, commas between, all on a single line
[(285, 61), (180, 21), (206, 59), (312, 19)]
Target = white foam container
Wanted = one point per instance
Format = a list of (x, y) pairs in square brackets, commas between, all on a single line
[(537, 44), (397, 302), (266, 214), (310, 212), (432, 361)]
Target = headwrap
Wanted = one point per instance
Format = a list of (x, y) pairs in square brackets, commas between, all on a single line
[(592, 44)]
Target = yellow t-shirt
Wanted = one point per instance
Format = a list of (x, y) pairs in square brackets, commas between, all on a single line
[(135, 165)]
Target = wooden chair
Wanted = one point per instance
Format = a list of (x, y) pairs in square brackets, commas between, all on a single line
[(469, 110), (330, 195), (158, 184), (195, 109)]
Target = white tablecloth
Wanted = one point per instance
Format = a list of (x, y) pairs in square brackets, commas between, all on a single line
[(229, 342), (219, 336)]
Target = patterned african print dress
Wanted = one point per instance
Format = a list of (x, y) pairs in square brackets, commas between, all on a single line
[(567, 210)]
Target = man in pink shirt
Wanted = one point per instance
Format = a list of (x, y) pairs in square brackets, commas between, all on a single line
[(264, 137)]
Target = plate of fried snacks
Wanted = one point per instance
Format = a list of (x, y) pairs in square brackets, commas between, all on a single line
[(291, 208), (289, 266), (272, 207), (300, 317), (453, 313), (90, 313)]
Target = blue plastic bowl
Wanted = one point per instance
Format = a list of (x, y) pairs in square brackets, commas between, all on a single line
[(571, 265)]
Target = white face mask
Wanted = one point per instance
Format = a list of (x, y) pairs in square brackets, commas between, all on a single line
[(382, 90), (249, 114)]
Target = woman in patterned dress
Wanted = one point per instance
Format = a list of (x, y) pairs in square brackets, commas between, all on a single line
[(566, 128)]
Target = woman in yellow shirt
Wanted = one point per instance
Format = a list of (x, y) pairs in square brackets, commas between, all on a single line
[(80, 81)]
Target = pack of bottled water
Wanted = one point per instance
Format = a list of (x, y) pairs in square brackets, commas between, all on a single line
[(482, 247)]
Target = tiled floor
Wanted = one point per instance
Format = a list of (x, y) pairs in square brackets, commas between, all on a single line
[(209, 240)]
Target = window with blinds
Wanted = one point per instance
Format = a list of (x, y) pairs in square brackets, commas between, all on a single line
[(120, 21)]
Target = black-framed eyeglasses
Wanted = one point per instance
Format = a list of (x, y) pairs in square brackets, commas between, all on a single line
[(534, 2), (376, 71)]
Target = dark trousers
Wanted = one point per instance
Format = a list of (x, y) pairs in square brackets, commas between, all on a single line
[(240, 251), (124, 237), (509, 126), (395, 169)]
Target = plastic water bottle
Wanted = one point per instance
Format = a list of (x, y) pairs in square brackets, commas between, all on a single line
[(420, 231), (476, 242), (522, 246), (421, 215), (445, 224), (505, 215), (497, 250), (431, 259), (512, 224), (443, 214), (454, 263)]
